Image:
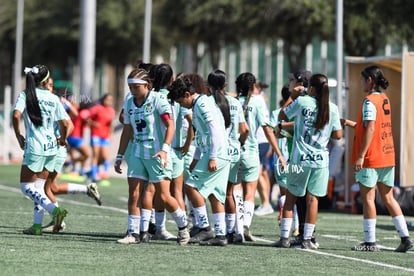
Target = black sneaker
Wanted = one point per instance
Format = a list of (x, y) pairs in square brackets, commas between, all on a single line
[(366, 246), (283, 242), (219, 240), (203, 235), (405, 244), (145, 236)]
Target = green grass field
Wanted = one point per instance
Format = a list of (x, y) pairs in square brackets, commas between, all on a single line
[(88, 245)]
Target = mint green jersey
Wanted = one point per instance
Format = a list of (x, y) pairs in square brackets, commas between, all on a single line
[(255, 118), (178, 114), (145, 120), (205, 111), (236, 117), (310, 146), (42, 140), (281, 142)]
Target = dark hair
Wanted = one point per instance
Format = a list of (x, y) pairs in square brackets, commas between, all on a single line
[(161, 75), (376, 75), (244, 87), (320, 83), (32, 104), (198, 83), (217, 81), (142, 65), (140, 73), (179, 87)]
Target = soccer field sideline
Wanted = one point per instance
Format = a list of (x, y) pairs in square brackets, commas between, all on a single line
[(319, 252)]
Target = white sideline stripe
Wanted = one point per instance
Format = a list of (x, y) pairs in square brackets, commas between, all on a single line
[(16, 190), (11, 189), (359, 260)]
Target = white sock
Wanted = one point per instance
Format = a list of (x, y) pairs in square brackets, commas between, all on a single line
[(295, 217), (201, 216), (38, 214), (77, 189), (238, 199), (180, 218), (38, 196), (308, 231), (133, 224), (369, 230), (401, 226), (248, 213), (285, 225), (219, 224), (160, 218), (145, 219), (230, 222)]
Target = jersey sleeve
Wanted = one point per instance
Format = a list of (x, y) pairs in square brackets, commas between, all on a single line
[(369, 112), (20, 104), (127, 104), (163, 105)]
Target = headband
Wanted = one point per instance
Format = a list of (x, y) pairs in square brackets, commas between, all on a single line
[(137, 81)]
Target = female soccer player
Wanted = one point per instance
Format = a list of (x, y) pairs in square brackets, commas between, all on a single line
[(250, 163), (40, 110), (147, 119), (373, 158), (211, 165), (316, 120)]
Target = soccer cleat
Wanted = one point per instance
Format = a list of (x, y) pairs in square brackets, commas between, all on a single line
[(145, 236), (49, 227), (247, 234), (219, 240), (314, 242), (194, 231), (366, 246), (130, 239), (32, 230), (164, 235), (263, 210), (308, 244), (183, 236), (58, 217), (283, 242), (92, 191), (230, 237), (152, 228), (238, 239), (203, 235), (405, 244)]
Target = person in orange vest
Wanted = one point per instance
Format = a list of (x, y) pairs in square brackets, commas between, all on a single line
[(373, 159)]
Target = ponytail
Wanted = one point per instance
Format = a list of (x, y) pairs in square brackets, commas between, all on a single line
[(34, 77), (244, 87), (217, 81), (320, 83)]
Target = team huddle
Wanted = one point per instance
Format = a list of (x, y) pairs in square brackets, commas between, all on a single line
[(188, 139)]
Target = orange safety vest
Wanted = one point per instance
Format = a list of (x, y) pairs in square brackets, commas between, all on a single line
[(380, 152)]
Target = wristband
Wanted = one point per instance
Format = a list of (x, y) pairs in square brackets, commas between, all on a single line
[(119, 157), (166, 147)]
